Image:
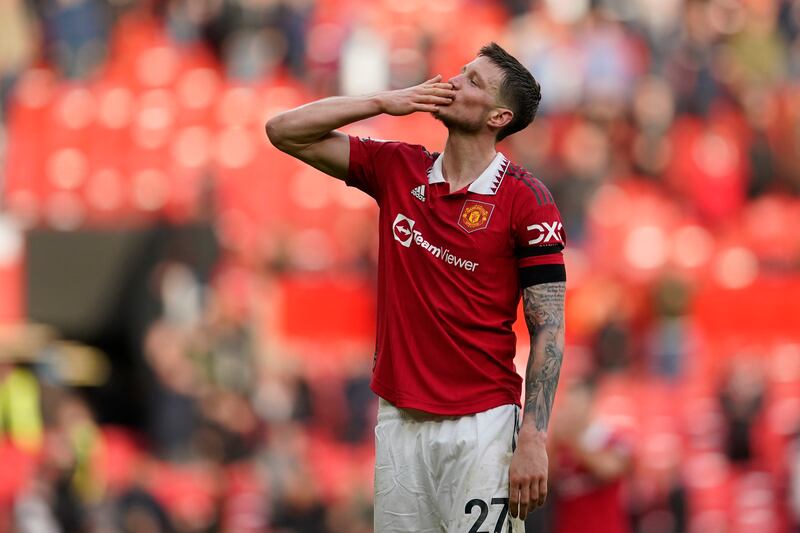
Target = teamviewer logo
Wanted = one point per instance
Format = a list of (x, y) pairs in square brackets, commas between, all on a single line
[(403, 230)]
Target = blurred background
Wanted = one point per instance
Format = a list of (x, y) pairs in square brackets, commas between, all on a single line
[(188, 314)]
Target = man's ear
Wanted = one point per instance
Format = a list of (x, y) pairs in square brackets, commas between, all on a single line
[(500, 117)]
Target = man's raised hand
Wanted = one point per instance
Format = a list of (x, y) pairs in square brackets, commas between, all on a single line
[(427, 97)]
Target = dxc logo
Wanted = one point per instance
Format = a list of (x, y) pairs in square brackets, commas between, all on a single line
[(545, 232)]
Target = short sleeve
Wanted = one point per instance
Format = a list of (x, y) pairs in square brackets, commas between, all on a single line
[(539, 236), (366, 157)]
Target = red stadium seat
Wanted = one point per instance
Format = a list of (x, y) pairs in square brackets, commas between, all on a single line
[(18, 470), (119, 457), (75, 108), (197, 89), (186, 491), (343, 309), (244, 499)]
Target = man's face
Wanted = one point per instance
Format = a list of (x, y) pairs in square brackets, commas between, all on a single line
[(477, 90)]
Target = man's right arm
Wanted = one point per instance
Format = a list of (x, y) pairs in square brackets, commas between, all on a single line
[(309, 132)]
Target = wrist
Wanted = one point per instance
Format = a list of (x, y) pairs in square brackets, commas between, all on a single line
[(530, 432), (378, 100)]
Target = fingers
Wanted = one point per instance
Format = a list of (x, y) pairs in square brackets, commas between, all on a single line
[(533, 498), (513, 500), (428, 108), (440, 89), (525, 498), (446, 92), (438, 100), (542, 492), (437, 83), (524, 501), (439, 96), (431, 104)]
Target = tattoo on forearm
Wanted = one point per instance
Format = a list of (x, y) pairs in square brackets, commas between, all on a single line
[(544, 314)]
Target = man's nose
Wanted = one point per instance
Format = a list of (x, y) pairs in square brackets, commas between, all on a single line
[(455, 81)]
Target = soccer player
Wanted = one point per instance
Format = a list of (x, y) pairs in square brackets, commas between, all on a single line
[(463, 234)]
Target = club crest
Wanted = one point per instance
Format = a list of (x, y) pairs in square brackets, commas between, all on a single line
[(475, 215)]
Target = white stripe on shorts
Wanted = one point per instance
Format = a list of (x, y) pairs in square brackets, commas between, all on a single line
[(444, 473)]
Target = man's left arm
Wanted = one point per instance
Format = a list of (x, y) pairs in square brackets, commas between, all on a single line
[(544, 314)]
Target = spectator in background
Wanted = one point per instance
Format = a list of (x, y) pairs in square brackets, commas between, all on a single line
[(186, 19), (590, 460), (300, 508), (354, 516), (360, 403), (173, 410), (18, 45), (21, 421), (671, 333), (653, 111), (612, 344), (741, 398), (365, 51), (690, 68), (757, 52), (223, 346), (295, 500), (75, 34), (20, 409), (251, 37), (611, 62), (586, 156), (138, 512), (33, 509), (228, 429), (658, 501), (67, 488), (760, 108)]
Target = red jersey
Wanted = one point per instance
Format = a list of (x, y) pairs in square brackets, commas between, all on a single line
[(450, 269), (583, 503)]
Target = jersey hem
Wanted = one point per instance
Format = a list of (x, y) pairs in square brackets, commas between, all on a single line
[(399, 400)]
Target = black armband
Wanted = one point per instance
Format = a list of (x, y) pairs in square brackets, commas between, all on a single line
[(538, 274), (535, 251)]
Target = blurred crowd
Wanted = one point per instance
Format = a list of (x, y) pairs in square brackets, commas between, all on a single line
[(669, 134), (228, 444)]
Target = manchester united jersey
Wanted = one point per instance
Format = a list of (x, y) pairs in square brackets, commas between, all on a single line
[(450, 272)]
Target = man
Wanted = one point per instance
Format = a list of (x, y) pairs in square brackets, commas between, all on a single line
[(462, 235)]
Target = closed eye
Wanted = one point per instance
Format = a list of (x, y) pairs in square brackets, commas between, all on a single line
[(472, 76)]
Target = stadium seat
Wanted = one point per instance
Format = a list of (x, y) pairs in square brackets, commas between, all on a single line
[(345, 313), (186, 491), (18, 470), (119, 457), (243, 502)]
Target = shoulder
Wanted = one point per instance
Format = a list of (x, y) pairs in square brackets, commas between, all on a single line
[(389, 144), (396, 148), (417, 151), (527, 188)]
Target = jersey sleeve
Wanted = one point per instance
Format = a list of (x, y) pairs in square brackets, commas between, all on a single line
[(367, 156), (539, 236)]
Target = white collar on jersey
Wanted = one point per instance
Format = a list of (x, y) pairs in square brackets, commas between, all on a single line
[(487, 183)]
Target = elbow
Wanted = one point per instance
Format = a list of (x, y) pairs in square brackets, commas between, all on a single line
[(282, 136)]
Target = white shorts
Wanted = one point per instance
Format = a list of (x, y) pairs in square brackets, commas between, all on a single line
[(444, 474)]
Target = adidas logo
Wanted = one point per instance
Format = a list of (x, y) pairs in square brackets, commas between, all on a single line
[(419, 193)]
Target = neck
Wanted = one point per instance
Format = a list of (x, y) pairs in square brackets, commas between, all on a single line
[(466, 156)]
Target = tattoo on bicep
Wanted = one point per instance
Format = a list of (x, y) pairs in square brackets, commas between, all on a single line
[(544, 314)]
